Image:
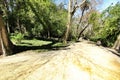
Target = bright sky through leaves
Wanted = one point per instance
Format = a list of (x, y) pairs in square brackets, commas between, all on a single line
[(101, 7), (107, 3)]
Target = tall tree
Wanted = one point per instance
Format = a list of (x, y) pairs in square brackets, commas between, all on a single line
[(72, 7), (84, 6), (70, 14), (5, 43)]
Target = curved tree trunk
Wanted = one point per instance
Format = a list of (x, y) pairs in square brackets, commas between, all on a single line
[(117, 44), (5, 43), (80, 19)]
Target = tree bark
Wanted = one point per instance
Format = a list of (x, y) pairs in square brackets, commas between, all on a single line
[(68, 23), (1, 48), (82, 31), (80, 22), (18, 24), (5, 43), (117, 44)]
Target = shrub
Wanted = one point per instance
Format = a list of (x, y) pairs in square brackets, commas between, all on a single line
[(18, 37)]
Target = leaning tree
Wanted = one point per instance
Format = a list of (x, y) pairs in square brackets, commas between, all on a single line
[(73, 5), (72, 8)]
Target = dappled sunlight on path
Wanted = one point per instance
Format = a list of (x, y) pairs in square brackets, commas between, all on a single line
[(81, 61)]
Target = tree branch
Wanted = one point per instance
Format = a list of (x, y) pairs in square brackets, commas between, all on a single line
[(74, 8)]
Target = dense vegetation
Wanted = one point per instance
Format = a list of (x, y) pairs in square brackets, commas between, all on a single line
[(106, 26), (35, 18), (44, 19)]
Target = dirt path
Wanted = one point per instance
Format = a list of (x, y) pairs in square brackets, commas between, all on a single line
[(80, 61)]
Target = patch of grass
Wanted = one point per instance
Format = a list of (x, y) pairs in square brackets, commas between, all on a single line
[(36, 45), (33, 42)]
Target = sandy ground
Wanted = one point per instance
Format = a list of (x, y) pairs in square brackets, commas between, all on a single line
[(80, 61)]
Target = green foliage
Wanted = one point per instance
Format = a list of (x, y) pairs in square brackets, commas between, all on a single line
[(107, 30), (45, 19), (94, 20), (36, 18), (111, 24), (17, 37), (49, 20)]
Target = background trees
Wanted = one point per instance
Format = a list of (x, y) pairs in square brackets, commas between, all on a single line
[(78, 6), (34, 18), (106, 25), (48, 20)]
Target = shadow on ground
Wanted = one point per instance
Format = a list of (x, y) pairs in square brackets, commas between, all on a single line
[(49, 46), (116, 53)]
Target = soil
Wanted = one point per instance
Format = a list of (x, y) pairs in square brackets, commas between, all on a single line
[(80, 61)]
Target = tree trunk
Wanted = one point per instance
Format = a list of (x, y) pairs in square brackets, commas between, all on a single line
[(80, 21), (5, 43), (117, 44), (1, 47), (6, 8), (68, 23), (82, 31), (18, 25)]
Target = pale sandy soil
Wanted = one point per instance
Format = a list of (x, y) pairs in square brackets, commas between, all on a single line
[(80, 61)]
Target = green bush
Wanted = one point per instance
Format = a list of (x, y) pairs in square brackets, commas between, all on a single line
[(17, 37)]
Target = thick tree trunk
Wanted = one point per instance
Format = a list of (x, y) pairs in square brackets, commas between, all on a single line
[(117, 44), (66, 33), (68, 23), (5, 43)]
